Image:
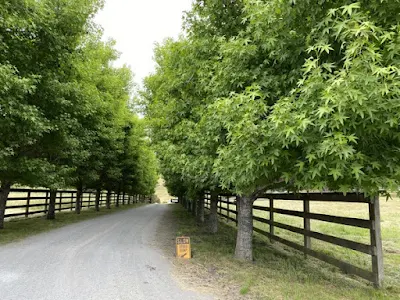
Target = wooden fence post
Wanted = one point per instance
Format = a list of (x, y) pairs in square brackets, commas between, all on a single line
[(90, 194), (97, 199), (108, 199), (46, 201), (28, 200), (72, 201), (83, 199), (78, 201), (376, 241), (220, 205), (227, 212), (307, 225), (60, 204), (237, 209), (271, 218), (123, 198)]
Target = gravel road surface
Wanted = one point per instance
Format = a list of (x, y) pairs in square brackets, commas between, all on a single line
[(111, 257)]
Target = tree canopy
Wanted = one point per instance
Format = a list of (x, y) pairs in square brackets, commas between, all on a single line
[(258, 92), (296, 95), (66, 117)]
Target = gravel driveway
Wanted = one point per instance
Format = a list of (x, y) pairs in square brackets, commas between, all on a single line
[(110, 257)]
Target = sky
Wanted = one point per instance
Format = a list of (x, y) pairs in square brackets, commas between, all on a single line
[(137, 25)]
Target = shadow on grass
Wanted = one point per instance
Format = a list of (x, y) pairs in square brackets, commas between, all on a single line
[(277, 272), (18, 229)]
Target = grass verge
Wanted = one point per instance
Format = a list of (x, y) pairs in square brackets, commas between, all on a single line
[(18, 229), (277, 273)]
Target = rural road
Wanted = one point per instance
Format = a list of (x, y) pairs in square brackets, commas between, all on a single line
[(110, 257)]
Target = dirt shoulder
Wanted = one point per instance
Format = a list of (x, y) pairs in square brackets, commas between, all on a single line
[(278, 272), (197, 274)]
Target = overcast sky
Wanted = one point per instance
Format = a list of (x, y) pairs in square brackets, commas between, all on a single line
[(137, 24)]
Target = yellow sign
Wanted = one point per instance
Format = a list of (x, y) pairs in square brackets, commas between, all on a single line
[(183, 249)]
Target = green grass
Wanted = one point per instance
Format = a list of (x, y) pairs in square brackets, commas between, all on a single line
[(20, 228), (390, 215), (280, 272)]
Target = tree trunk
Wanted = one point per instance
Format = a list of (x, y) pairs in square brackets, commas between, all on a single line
[(4, 192), (213, 217), (51, 211), (117, 201), (188, 204), (108, 200), (244, 240), (194, 206), (78, 201), (200, 208), (97, 201)]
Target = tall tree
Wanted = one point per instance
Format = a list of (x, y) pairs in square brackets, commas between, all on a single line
[(293, 94), (38, 39)]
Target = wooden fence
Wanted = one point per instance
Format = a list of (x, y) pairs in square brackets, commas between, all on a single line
[(27, 202), (228, 209)]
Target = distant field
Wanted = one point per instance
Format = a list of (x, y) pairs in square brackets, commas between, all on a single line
[(162, 192)]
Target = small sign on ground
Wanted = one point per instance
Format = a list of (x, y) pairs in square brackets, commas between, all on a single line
[(183, 249)]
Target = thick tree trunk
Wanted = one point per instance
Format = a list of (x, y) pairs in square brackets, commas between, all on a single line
[(51, 211), (108, 200), (213, 217), (4, 192), (200, 208), (78, 201), (97, 201), (244, 240)]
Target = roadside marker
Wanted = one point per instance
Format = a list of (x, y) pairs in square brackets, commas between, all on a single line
[(183, 249)]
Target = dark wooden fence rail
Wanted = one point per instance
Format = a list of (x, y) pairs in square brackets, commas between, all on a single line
[(374, 248), (27, 202)]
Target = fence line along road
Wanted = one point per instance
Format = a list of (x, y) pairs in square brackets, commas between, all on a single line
[(28, 202), (373, 249)]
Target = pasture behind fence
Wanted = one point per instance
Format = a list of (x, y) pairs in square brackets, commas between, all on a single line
[(28, 202), (227, 208)]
